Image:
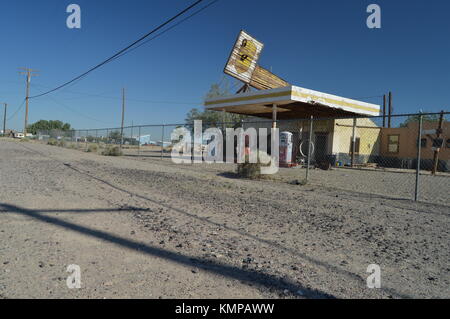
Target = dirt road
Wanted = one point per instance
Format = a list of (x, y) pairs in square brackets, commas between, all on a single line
[(153, 229)]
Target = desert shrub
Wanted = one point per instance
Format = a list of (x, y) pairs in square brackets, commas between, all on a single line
[(92, 148), (72, 146), (168, 149), (249, 170), (301, 182), (52, 142), (112, 151), (253, 170), (62, 143)]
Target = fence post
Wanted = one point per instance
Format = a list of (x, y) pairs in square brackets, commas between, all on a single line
[(309, 147), (353, 142), (107, 137), (162, 142), (419, 149), (131, 137), (139, 142), (86, 139)]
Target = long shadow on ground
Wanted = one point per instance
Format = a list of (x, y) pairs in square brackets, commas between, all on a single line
[(252, 277)]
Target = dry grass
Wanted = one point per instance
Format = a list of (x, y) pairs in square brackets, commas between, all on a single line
[(112, 151), (52, 142), (92, 148), (253, 170)]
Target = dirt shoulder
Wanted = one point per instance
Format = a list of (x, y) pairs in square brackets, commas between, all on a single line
[(152, 229)]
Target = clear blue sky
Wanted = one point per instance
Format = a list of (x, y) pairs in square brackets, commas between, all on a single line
[(321, 45)]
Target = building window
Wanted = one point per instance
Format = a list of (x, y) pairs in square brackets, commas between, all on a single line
[(423, 143), (438, 143), (357, 144), (393, 144)]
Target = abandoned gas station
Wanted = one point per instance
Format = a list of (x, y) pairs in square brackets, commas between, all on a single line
[(290, 109), (340, 131)]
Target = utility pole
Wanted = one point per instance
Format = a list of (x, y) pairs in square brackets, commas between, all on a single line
[(29, 73), (438, 147), (123, 117), (384, 110), (391, 110), (4, 120)]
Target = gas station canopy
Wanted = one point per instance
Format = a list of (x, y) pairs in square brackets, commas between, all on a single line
[(291, 102)]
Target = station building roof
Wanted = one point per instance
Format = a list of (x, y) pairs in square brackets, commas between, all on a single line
[(292, 102)]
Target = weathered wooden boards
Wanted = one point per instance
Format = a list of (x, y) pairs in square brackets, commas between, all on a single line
[(263, 79), (244, 55), (242, 64)]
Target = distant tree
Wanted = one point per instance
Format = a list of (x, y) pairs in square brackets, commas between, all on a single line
[(44, 125), (115, 135), (425, 118), (214, 117), (216, 91)]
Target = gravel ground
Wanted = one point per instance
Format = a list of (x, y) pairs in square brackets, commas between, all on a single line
[(393, 183), (146, 228)]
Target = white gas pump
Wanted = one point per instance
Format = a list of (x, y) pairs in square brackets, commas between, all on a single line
[(286, 146)]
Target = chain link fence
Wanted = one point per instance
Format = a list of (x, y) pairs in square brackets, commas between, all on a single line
[(409, 160)]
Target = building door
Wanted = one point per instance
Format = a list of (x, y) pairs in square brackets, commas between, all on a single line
[(321, 147)]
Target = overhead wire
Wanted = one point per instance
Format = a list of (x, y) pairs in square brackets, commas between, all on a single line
[(118, 98), (77, 112), (169, 28), (17, 111), (123, 51)]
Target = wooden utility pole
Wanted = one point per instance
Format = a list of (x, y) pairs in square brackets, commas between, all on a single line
[(384, 110), (4, 120), (123, 117), (439, 132), (29, 73), (391, 110)]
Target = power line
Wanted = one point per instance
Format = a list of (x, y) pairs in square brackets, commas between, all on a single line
[(367, 97), (169, 28), (121, 52), (139, 100), (77, 112), (118, 98), (18, 110)]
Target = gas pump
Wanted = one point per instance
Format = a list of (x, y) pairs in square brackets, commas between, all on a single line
[(286, 146)]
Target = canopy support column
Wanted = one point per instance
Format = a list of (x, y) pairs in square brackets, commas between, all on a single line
[(274, 116)]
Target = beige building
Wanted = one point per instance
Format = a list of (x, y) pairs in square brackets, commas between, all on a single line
[(399, 146)]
